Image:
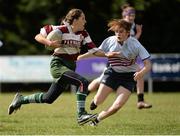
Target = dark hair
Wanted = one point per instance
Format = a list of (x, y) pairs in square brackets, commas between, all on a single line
[(120, 23), (124, 6), (73, 14)]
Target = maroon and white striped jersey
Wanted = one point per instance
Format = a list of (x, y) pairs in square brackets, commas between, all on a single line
[(72, 43)]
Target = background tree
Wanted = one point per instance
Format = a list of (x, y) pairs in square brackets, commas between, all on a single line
[(21, 20)]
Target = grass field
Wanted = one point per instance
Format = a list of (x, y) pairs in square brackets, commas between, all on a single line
[(59, 118)]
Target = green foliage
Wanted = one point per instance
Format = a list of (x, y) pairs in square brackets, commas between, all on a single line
[(21, 20), (59, 118)]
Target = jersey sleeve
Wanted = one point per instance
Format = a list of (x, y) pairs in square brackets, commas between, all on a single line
[(104, 45), (47, 29), (143, 53), (87, 43)]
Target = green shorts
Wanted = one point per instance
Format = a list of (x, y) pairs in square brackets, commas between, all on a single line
[(59, 65)]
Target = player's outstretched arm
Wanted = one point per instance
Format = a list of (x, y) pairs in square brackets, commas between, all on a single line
[(144, 70), (92, 53)]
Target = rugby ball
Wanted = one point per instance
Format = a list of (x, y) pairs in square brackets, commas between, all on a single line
[(52, 36)]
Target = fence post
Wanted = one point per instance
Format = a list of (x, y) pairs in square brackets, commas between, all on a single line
[(150, 84)]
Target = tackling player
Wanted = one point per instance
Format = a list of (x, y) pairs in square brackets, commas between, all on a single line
[(121, 74), (128, 14)]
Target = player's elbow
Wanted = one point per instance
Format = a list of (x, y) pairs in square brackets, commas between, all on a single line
[(36, 37), (147, 64)]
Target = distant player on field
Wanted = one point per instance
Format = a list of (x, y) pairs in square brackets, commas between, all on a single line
[(129, 14)]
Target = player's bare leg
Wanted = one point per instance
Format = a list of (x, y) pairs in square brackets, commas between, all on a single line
[(122, 97), (140, 94)]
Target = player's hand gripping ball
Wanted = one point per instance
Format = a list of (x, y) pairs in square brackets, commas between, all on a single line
[(53, 36)]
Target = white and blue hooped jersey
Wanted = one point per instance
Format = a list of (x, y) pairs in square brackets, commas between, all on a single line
[(129, 51)]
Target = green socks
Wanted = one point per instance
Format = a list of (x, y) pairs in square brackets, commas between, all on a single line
[(81, 97), (34, 98)]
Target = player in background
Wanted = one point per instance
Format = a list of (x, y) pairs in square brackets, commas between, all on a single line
[(75, 41), (121, 74), (128, 14)]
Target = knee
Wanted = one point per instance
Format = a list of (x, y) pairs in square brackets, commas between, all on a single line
[(47, 100), (84, 86), (93, 87), (85, 83)]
